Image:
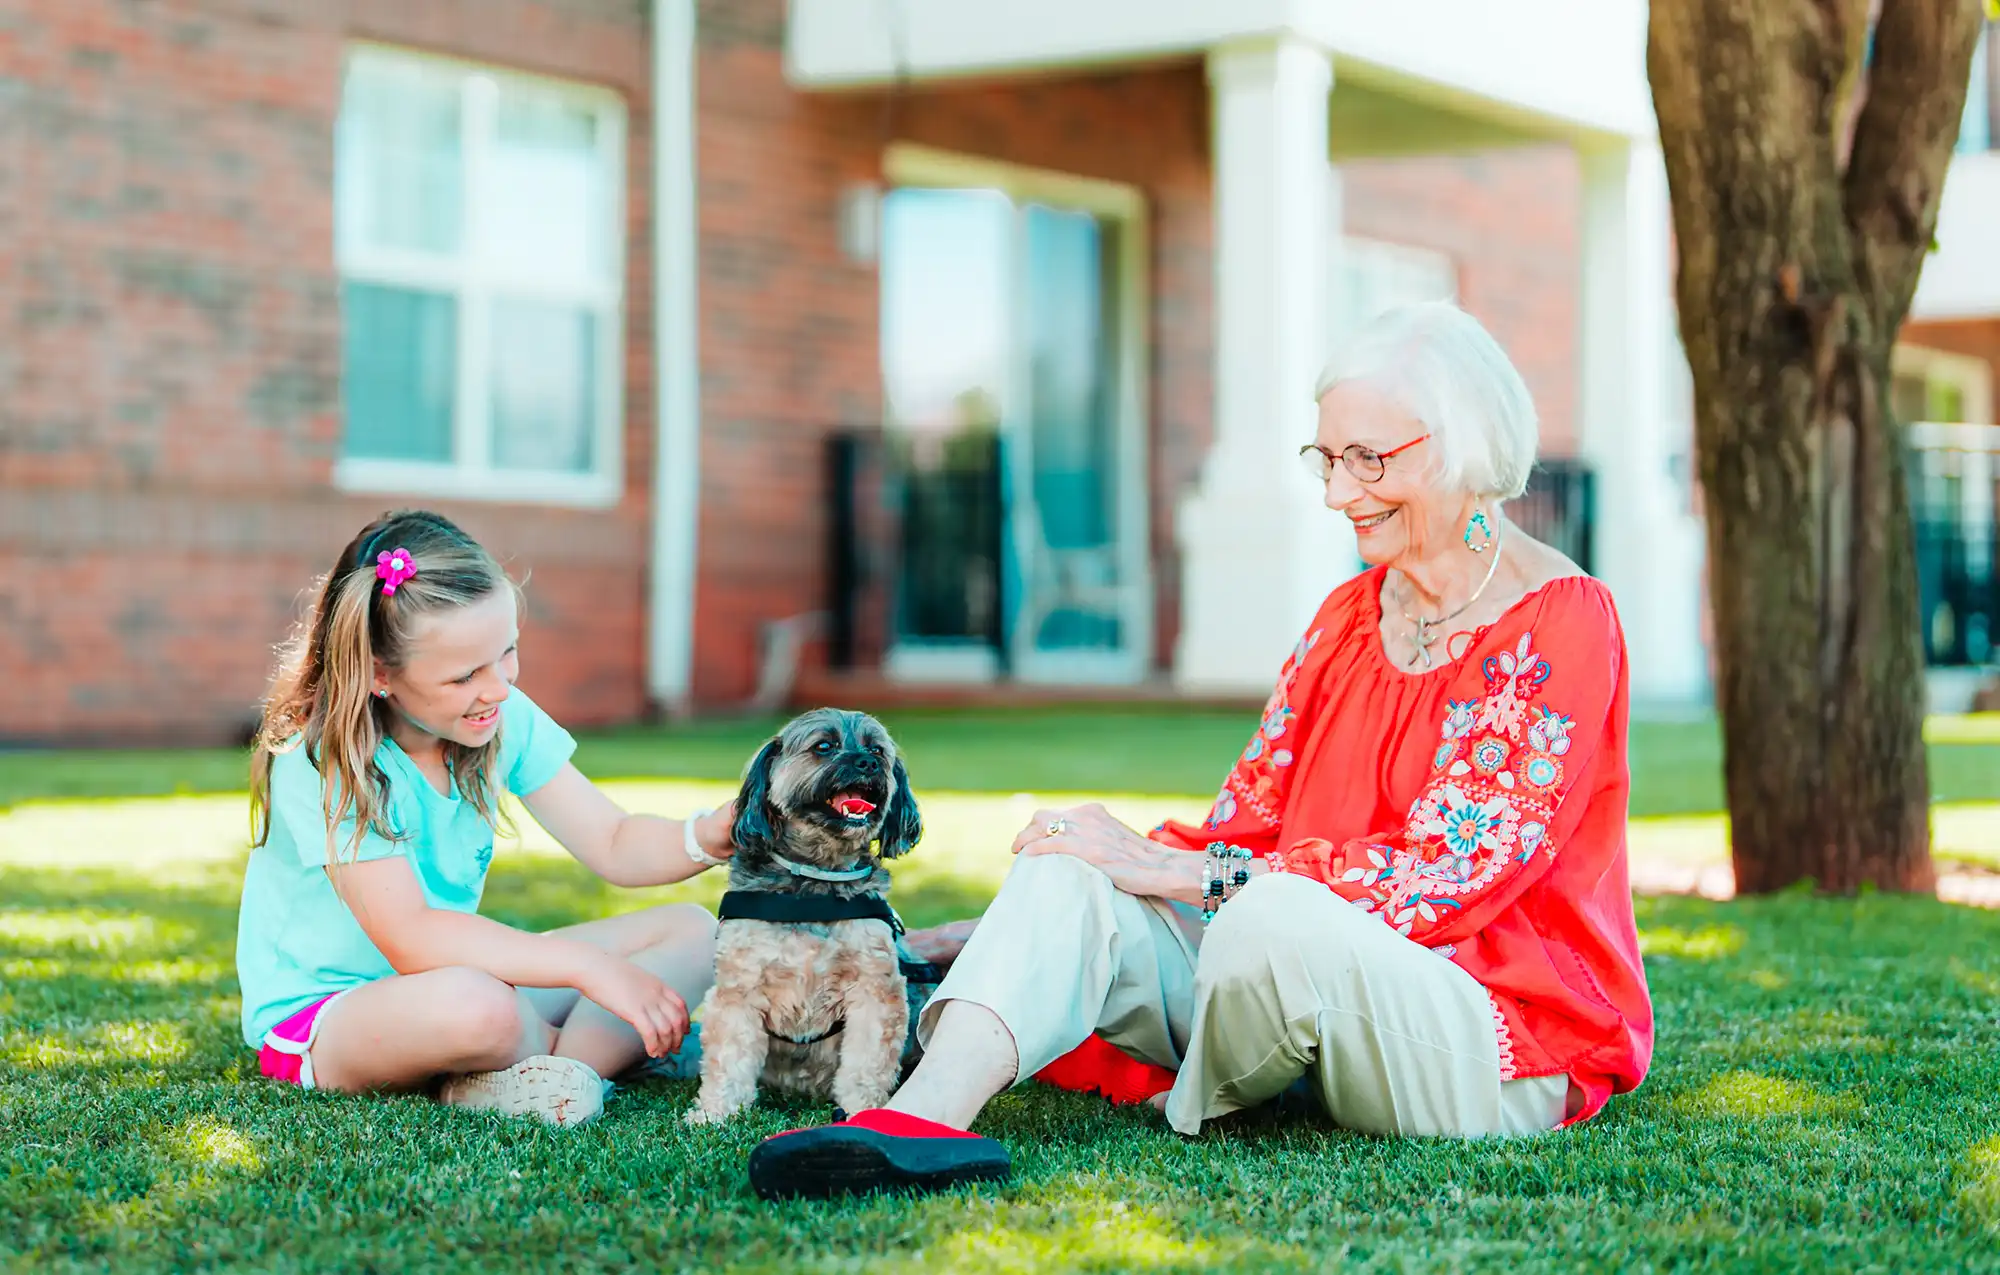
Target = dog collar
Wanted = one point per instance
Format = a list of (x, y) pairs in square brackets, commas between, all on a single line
[(860, 872)]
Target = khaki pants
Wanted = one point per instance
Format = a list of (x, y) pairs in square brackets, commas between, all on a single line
[(1288, 981)]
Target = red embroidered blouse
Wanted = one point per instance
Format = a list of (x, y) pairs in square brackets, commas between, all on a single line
[(1478, 807)]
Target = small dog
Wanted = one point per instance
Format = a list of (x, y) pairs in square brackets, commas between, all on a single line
[(816, 1007)]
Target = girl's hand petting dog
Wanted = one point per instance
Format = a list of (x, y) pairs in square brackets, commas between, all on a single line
[(1134, 863), (654, 1010), (712, 831)]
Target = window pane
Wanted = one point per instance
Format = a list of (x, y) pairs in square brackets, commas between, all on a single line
[(399, 372), (545, 209), (398, 173), (946, 257), (544, 387)]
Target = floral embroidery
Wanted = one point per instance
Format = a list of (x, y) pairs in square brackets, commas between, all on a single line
[(1477, 817), (1512, 678), (1531, 839), (1468, 826), (1506, 1039), (1378, 861), (1255, 780), (1489, 755), (1550, 733), (1459, 718), (1224, 809)]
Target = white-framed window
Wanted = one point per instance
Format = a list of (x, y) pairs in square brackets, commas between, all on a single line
[(479, 232), (1374, 275)]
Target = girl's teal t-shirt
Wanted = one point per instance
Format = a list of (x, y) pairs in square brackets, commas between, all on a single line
[(295, 940)]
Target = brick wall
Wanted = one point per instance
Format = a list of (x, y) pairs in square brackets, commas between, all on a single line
[(1512, 220), (169, 357)]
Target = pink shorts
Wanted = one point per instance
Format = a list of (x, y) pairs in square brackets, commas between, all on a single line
[(287, 1051)]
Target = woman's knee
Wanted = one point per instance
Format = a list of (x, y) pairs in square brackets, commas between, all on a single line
[(1050, 877)]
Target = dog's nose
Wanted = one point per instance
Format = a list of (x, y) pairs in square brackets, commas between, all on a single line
[(869, 763)]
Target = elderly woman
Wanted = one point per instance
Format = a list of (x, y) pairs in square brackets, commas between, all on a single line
[(1411, 891)]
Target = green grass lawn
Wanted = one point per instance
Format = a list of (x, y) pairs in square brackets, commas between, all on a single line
[(1825, 1094)]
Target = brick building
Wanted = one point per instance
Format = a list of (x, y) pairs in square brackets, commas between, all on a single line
[(603, 278)]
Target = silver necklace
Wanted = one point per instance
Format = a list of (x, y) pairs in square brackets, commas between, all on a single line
[(1424, 638)]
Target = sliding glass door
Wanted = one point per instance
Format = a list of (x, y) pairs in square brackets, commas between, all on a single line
[(1015, 447)]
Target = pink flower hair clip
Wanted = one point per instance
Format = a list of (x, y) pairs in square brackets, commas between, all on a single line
[(392, 567)]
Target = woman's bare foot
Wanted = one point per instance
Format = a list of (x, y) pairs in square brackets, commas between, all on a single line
[(940, 944)]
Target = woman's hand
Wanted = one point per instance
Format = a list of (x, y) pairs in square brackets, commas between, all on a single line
[(654, 1010), (1135, 864)]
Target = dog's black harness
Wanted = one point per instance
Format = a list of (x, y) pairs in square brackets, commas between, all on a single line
[(760, 905), (805, 909)]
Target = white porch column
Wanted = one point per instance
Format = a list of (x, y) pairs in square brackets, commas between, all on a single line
[(1648, 546), (676, 368), (1258, 551)]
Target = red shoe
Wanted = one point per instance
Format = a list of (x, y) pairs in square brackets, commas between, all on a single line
[(874, 1151)]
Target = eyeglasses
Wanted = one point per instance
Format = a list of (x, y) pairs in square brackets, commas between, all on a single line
[(1364, 463)]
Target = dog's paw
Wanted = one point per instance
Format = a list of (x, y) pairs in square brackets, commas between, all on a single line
[(860, 1097), (699, 1115)]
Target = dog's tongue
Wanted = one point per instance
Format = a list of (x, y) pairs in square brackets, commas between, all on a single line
[(853, 807)]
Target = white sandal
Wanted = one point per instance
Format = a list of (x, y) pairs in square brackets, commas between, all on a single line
[(562, 1091)]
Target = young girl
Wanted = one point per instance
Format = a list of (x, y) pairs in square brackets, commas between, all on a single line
[(391, 733)]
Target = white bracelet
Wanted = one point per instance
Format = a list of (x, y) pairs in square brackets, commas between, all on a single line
[(692, 846)]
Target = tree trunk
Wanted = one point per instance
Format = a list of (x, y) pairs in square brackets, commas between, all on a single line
[(1805, 187)]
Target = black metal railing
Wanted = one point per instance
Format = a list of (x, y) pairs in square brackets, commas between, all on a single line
[(915, 543), (1560, 509)]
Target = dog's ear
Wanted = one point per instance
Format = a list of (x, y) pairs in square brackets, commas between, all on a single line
[(902, 825), (752, 829)]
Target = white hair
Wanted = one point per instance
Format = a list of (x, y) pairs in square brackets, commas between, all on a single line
[(1438, 364)]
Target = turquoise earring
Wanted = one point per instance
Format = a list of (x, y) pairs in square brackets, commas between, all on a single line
[(1478, 520)]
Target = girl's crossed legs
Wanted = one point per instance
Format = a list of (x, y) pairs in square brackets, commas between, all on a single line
[(405, 1032)]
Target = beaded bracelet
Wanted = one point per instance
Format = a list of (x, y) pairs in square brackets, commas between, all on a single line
[(1220, 881)]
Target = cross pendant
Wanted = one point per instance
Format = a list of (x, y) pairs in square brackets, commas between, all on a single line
[(1423, 642)]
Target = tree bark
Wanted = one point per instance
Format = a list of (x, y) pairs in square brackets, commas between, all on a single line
[(1805, 184)]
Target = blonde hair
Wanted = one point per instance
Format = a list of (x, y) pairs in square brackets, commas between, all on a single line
[(320, 695), (1441, 366)]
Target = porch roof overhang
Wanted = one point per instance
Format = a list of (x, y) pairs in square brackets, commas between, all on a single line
[(1961, 279), (1445, 72)]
